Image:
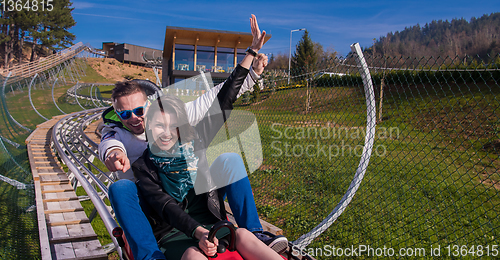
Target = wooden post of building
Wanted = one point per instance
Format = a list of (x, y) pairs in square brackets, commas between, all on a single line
[(236, 52), (196, 51), (235, 60), (173, 51), (215, 50)]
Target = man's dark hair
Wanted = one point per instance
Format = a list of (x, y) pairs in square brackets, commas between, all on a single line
[(125, 88)]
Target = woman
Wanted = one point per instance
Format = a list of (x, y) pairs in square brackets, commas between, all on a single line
[(167, 173), (175, 163)]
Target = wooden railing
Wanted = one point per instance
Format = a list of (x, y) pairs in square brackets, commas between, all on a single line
[(31, 68)]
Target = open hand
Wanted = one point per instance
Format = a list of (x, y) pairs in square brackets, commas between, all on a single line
[(258, 37), (259, 63)]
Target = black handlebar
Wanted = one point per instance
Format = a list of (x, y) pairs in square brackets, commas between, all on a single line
[(232, 240)]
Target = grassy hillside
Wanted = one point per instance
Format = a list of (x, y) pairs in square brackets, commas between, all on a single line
[(431, 178)]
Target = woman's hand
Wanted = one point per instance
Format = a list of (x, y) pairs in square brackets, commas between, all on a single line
[(260, 63), (257, 43), (258, 37), (206, 246)]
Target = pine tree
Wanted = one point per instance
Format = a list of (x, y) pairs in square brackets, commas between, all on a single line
[(47, 27), (6, 20), (51, 29), (56, 24), (305, 62), (305, 57)]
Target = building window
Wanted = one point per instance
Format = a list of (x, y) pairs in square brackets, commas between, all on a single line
[(205, 58), (241, 55), (184, 57), (225, 59), (125, 51)]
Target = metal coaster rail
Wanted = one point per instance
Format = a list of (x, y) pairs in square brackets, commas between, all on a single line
[(76, 149)]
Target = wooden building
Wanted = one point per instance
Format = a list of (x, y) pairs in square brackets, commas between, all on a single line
[(188, 51), (125, 52)]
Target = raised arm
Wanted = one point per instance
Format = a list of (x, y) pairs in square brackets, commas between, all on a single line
[(197, 109)]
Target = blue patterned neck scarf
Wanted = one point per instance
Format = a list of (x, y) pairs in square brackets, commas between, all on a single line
[(177, 169)]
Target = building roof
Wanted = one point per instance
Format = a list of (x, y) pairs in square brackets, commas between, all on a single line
[(128, 44), (205, 37)]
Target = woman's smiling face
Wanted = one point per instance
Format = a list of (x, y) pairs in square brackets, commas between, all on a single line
[(164, 130)]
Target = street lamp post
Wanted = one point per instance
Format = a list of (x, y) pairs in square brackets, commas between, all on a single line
[(290, 54)]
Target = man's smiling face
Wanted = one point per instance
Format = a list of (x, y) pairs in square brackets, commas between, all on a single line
[(130, 102)]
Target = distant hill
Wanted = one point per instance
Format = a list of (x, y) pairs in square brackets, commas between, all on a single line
[(458, 37)]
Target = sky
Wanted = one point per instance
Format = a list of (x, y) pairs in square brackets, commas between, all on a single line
[(334, 24)]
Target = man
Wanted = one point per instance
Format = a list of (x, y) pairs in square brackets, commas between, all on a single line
[(123, 141)]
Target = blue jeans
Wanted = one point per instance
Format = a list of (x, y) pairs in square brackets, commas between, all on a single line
[(239, 194), (127, 206), (126, 203)]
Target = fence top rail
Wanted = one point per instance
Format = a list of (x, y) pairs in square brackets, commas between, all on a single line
[(37, 66)]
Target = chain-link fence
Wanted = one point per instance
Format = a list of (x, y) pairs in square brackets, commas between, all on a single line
[(432, 184)]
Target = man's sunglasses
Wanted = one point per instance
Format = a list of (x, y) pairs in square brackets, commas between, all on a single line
[(126, 114)]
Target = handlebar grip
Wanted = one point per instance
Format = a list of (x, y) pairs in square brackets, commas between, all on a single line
[(223, 224)]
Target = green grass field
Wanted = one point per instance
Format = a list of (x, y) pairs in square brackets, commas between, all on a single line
[(432, 179), (424, 186)]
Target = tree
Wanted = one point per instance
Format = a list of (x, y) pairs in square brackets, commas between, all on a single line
[(305, 57), (278, 62), (305, 62), (51, 31), (326, 58), (457, 37), (47, 26), (256, 93), (57, 23)]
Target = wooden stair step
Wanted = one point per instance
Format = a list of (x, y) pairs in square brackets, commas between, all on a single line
[(40, 142), (55, 240), (62, 206), (59, 196), (63, 210), (66, 218), (46, 167), (79, 250), (47, 178), (50, 173), (47, 163), (46, 146), (63, 232), (68, 222), (56, 188), (46, 183), (46, 156)]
